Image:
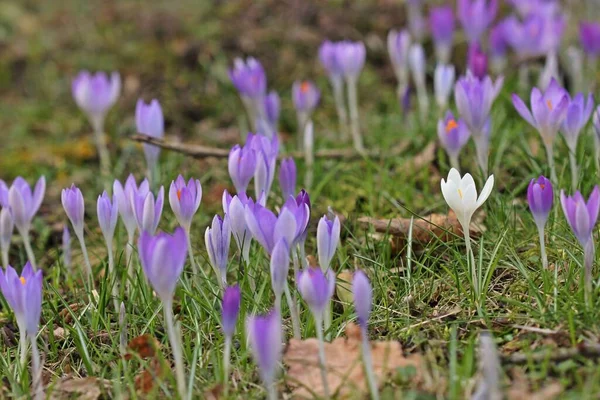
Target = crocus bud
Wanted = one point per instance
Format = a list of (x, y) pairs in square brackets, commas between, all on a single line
[(124, 195), (249, 78), (72, 202), (305, 96), (363, 297), (163, 257), (66, 247), (589, 34), (416, 61), (217, 238), (329, 60), (540, 197), (108, 213), (287, 177), (477, 61), (266, 160), (398, 44), (581, 215), (328, 238), (185, 200), (498, 47), (453, 134), (351, 57), (441, 24), (241, 166), (95, 94), (230, 309), (24, 295), (443, 84), (146, 210), (24, 203), (149, 121), (265, 338), (235, 207), (272, 109), (316, 289), (280, 265), (6, 230)]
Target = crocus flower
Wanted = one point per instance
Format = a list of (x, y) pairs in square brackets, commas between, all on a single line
[(185, 199), (22, 202), (265, 338), (287, 177), (362, 294), (540, 197), (581, 215), (235, 207), (241, 166), (162, 257), (578, 114), (95, 94), (249, 78), (149, 121), (300, 208), (72, 202), (441, 25), (268, 229), (124, 194), (230, 309), (24, 295), (498, 47), (477, 60), (328, 238), (217, 238), (305, 96), (351, 58), (398, 44), (474, 98), (266, 160), (280, 265), (589, 34), (316, 289), (108, 212), (6, 230), (548, 110), (443, 83), (147, 210), (329, 60), (453, 135), (476, 16), (461, 195)]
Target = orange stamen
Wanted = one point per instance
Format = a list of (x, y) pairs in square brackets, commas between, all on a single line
[(22, 280), (549, 104), (542, 186), (304, 86), (179, 194), (451, 124)]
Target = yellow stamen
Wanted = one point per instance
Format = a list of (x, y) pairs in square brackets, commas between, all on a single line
[(460, 193), (549, 104), (451, 124), (22, 280)]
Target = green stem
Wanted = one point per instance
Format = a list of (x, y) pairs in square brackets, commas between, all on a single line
[(176, 349), (574, 173), (543, 247), (354, 116), (322, 361), (28, 249), (340, 108), (293, 312), (368, 364), (226, 363), (36, 371)]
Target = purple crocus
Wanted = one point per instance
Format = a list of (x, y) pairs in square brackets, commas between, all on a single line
[(272, 108), (474, 98), (498, 47), (328, 238), (581, 215), (125, 194), (162, 257), (300, 208), (453, 135), (72, 202), (443, 83), (22, 202), (267, 228), (217, 238), (280, 265), (477, 60), (95, 94), (230, 309), (398, 45), (287, 177), (362, 294), (241, 166), (185, 199), (107, 210), (265, 338), (305, 96), (578, 114), (235, 207), (266, 159), (589, 34), (6, 230), (249, 78), (540, 197), (24, 295), (146, 209), (329, 60), (476, 16), (316, 289), (351, 58), (149, 121), (441, 25)]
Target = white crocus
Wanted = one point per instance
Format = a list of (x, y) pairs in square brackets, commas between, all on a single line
[(461, 196)]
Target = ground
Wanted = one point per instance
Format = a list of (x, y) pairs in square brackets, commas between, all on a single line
[(179, 53)]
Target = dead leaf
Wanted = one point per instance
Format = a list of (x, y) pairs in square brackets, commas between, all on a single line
[(65, 313), (344, 366), (89, 388), (59, 333), (146, 380), (520, 388), (343, 285), (145, 346)]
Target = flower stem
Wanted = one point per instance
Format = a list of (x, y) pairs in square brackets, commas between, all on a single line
[(271, 391), (293, 312), (574, 173), (129, 255), (322, 361), (103, 153), (22, 346), (481, 148), (588, 264), (550, 155), (176, 349), (226, 361), (454, 161), (29, 250), (354, 116), (36, 371), (543, 247), (5, 257), (191, 252), (88, 266), (471, 262), (327, 320), (309, 159), (338, 96), (368, 364), (111, 269)]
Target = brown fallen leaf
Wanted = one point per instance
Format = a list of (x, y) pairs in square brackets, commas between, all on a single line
[(344, 366), (520, 390), (89, 388), (146, 380), (145, 346), (343, 287), (65, 313)]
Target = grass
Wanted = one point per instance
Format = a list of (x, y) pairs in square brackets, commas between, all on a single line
[(424, 301)]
